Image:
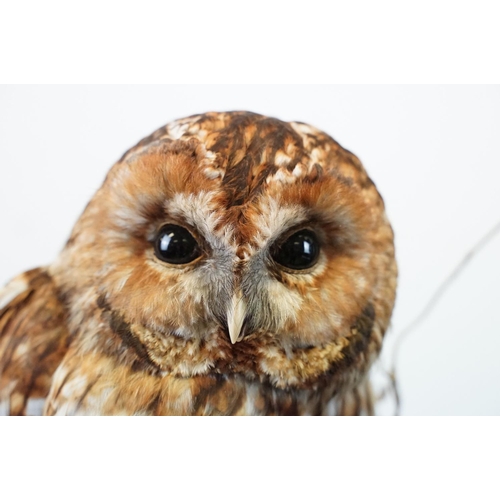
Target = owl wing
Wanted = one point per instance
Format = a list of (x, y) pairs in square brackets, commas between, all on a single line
[(33, 339)]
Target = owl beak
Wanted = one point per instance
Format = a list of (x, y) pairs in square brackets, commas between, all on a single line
[(236, 315)]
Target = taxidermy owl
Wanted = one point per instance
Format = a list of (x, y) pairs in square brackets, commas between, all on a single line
[(230, 264)]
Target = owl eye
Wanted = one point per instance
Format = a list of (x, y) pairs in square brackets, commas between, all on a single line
[(299, 251), (176, 245)]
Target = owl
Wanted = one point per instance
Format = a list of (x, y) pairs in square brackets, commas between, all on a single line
[(230, 264)]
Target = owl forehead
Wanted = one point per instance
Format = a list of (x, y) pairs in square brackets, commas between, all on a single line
[(246, 150), (240, 176)]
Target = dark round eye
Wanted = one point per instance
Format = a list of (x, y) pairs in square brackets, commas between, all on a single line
[(176, 245), (299, 251)]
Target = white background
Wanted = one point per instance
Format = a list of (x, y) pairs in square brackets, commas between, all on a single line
[(433, 152)]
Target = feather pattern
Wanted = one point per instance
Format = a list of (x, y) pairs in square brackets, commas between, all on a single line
[(116, 327)]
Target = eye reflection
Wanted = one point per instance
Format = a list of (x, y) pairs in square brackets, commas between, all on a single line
[(176, 245), (299, 251)]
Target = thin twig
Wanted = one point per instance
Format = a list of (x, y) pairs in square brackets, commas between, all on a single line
[(433, 301)]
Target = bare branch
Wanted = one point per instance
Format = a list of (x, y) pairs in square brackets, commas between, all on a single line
[(434, 300)]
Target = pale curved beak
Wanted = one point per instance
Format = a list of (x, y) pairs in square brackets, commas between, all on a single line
[(236, 315)]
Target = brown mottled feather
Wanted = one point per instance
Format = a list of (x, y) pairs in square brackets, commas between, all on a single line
[(33, 341), (110, 329)]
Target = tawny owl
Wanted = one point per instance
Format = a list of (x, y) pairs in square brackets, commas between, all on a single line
[(230, 264)]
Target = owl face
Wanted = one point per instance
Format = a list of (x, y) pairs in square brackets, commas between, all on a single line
[(235, 244)]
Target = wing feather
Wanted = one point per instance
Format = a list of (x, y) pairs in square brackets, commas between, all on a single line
[(33, 340)]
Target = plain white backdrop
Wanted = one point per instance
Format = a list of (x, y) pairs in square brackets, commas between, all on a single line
[(433, 152)]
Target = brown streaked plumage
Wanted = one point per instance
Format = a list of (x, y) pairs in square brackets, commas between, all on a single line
[(118, 326)]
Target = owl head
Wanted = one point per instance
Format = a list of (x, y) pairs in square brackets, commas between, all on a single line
[(239, 245)]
